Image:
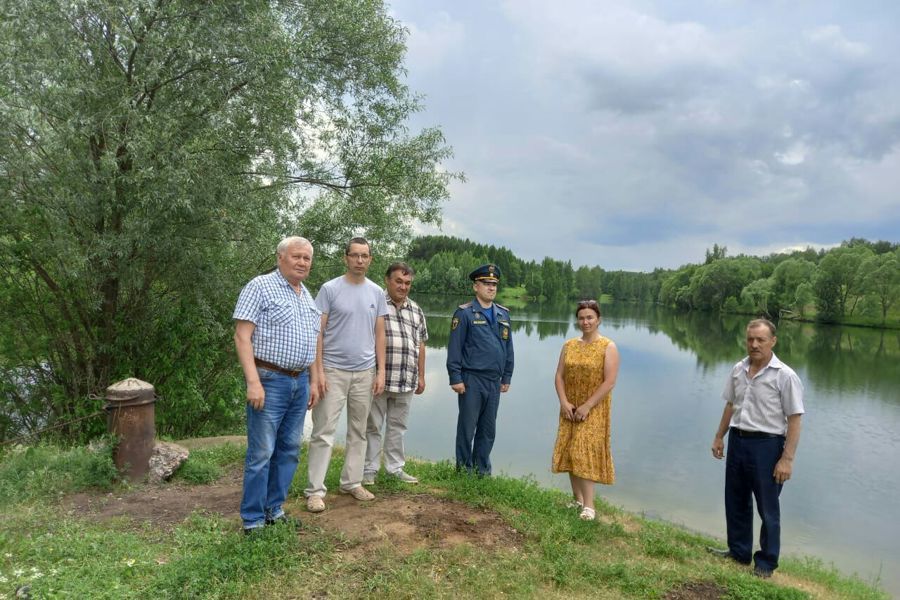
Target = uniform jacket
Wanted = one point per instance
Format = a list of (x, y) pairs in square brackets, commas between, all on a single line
[(479, 347)]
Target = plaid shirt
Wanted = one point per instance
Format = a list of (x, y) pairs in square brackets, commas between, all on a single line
[(287, 323), (404, 331)]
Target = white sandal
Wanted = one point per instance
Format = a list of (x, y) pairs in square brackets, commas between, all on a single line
[(587, 514)]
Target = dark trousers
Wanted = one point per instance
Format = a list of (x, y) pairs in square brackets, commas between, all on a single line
[(749, 473), (477, 423)]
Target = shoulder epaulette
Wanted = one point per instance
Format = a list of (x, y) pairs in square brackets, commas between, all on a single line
[(501, 306), (466, 305)]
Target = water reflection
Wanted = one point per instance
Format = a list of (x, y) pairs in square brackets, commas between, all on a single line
[(841, 504)]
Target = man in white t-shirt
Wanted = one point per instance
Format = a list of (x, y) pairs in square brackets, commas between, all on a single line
[(351, 370)]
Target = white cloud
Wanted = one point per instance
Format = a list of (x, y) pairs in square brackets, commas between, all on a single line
[(637, 134), (431, 45)]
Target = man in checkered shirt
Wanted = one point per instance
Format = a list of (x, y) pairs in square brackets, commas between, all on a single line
[(277, 326), (405, 335)]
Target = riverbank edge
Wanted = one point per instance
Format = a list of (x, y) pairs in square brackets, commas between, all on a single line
[(621, 555)]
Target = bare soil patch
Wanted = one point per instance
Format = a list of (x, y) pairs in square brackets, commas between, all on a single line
[(403, 521), (696, 590), (408, 522), (164, 505)]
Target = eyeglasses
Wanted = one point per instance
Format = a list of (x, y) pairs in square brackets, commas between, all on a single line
[(356, 256)]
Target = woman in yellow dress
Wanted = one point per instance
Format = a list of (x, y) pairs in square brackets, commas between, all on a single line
[(585, 376)]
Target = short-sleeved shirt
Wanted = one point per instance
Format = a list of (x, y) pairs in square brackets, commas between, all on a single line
[(287, 323), (349, 336), (765, 402), (405, 331)]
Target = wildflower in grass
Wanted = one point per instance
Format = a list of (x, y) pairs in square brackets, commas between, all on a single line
[(37, 575), (8, 555), (18, 572), (3, 579), (128, 562)]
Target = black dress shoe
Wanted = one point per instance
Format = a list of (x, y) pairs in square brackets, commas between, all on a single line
[(718, 553), (762, 573)]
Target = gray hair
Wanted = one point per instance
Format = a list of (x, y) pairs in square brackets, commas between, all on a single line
[(762, 323), (294, 240)]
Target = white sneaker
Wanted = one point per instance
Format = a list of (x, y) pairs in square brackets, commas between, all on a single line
[(368, 478), (404, 477)]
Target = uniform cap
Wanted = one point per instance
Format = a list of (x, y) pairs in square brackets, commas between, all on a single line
[(488, 272)]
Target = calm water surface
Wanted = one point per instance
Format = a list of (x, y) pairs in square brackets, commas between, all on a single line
[(841, 504)]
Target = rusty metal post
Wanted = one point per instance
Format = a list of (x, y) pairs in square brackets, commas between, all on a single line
[(130, 416)]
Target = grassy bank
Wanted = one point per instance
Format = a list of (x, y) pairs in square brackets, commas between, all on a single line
[(63, 552)]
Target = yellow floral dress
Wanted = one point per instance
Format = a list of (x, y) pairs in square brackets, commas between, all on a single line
[(582, 448)]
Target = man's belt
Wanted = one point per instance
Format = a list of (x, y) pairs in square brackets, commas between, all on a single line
[(753, 434), (267, 365)]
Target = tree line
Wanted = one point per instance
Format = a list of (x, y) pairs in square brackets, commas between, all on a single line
[(856, 281)]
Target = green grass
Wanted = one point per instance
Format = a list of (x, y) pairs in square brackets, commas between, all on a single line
[(513, 297), (43, 472), (65, 555), (206, 465)]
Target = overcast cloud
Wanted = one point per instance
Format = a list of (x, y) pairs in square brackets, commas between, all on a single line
[(635, 134)]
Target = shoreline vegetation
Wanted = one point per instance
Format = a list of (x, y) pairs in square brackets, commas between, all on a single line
[(53, 539), (856, 283)]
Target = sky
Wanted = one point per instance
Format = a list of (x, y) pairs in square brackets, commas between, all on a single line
[(636, 134)]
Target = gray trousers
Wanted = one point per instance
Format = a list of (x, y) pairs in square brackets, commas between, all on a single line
[(390, 409)]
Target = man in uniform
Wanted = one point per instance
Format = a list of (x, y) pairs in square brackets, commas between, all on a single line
[(277, 324), (763, 405), (480, 366), (405, 334)]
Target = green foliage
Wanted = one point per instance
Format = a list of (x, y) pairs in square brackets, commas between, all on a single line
[(713, 283), (206, 465), (44, 472), (857, 275), (837, 282), (154, 154)]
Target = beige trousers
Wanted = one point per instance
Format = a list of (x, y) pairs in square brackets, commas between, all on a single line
[(353, 388)]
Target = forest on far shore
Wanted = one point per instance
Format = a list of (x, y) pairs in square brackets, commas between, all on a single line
[(857, 282)]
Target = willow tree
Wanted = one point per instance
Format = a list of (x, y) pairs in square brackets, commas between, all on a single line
[(153, 152)]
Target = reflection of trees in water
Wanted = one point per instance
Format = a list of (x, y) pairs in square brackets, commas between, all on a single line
[(713, 341), (545, 320), (847, 359), (832, 356)]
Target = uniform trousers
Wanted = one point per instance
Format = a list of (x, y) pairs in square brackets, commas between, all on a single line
[(390, 409), (353, 388), (476, 426), (749, 473)]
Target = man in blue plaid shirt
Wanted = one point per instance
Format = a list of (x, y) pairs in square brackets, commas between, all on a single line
[(277, 325)]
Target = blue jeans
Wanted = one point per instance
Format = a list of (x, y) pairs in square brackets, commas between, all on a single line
[(749, 473), (273, 446), (476, 426)]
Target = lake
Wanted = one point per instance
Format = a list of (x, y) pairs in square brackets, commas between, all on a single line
[(843, 501)]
